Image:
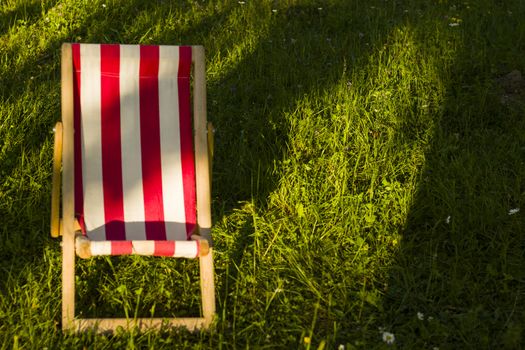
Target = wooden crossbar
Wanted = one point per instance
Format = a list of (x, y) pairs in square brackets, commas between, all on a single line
[(102, 325)]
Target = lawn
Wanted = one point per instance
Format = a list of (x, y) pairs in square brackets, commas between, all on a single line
[(368, 175)]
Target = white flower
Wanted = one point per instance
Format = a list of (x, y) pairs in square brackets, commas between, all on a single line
[(274, 10), (242, 2), (447, 220), (388, 338), (420, 316), (341, 347), (455, 24), (104, 5), (514, 211)]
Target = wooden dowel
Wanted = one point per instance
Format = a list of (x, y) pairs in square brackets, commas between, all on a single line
[(86, 249)]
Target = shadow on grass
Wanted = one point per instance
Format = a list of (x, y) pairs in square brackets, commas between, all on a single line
[(25, 13), (458, 279), (300, 56)]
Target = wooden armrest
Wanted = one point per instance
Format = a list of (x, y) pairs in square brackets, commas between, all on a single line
[(76, 227), (56, 180)]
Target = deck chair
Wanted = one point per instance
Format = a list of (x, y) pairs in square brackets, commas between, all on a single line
[(136, 160)]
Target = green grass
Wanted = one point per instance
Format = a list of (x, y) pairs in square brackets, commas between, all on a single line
[(367, 156)]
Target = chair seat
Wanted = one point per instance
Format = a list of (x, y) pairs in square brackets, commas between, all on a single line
[(134, 154)]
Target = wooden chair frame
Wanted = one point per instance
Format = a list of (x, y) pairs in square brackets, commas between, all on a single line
[(67, 227)]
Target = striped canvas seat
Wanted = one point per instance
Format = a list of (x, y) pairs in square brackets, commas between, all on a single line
[(131, 169), (134, 158)]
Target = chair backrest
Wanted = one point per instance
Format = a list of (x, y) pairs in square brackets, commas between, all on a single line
[(133, 143)]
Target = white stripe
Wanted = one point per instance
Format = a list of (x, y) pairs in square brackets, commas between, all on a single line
[(186, 249), (172, 186), (101, 248), (143, 247), (130, 135), (91, 140)]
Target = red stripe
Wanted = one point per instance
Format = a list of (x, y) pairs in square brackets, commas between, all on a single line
[(77, 152), (186, 139), (121, 247), (111, 145), (164, 248), (150, 143)]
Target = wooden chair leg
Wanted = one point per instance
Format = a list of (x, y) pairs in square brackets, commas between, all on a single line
[(68, 281), (207, 288), (68, 210)]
